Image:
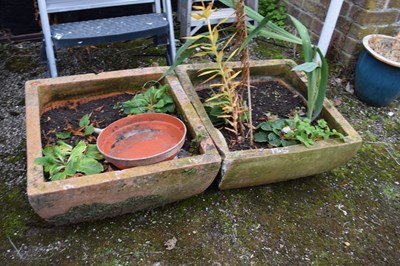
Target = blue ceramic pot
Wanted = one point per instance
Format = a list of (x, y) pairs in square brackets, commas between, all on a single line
[(377, 79)]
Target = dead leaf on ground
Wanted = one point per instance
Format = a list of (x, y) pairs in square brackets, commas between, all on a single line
[(349, 88), (337, 101), (91, 139), (170, 243), (98, 109), (51, 131), (72, 106)]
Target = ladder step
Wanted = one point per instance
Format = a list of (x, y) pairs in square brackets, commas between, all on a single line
[(115, 29)]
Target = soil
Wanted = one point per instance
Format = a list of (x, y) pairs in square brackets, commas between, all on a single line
[(270, 100), (102, 113), (388, 48)]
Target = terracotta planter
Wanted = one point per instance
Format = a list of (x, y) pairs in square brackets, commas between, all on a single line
[(112, 193), (261, 166)]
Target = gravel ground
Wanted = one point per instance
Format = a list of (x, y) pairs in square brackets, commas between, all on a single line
[(348, 216)]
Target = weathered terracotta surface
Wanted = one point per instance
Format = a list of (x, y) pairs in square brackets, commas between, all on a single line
[(261, 166), (113, 193)]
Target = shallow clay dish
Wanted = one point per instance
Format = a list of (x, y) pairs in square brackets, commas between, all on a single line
[(142, 139)]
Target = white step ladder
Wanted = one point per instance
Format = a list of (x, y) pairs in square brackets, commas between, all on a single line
[(158, 23), (189, 25)]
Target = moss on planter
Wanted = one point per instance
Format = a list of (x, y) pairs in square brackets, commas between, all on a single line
[(101, 211)]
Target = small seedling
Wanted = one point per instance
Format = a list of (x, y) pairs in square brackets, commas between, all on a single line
[(85, 124), (62, 160), (86, 128), (153, 100), (63, 135)]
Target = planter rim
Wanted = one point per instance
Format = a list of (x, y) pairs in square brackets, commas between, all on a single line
[(375, 54)]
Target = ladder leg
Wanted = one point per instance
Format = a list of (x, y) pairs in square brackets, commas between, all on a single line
[(171, 46), (51, 60), (44, 18)]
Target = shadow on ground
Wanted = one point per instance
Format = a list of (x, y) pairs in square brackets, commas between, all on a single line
[(347, 216)]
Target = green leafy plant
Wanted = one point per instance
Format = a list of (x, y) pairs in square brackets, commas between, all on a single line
[(307, 134), (63, 135), (153, 100), (286, 132), (272, 132), (227, 101), (315, 65), (62, 160), (86, 125), (275, 11), (214, 113), (85, 128)]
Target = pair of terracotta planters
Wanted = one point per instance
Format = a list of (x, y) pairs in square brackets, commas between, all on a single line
[(113, 193)]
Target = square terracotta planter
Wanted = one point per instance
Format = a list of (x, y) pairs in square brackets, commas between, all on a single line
[(262, 166), (113, 193)]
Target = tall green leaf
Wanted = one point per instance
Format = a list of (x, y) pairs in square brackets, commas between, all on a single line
[(254, 33), (303, 32), (313, 76), (323, 84)]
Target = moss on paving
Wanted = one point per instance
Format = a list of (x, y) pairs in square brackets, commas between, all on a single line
[(348, 216)]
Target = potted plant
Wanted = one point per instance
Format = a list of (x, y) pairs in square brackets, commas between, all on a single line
[(377, 77), (116, 192), (242, 168)]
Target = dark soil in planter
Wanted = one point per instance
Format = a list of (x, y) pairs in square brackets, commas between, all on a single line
[(103, 112), (270, 98)]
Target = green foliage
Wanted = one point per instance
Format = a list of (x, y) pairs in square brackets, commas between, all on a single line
[(86, 128), (317, 71), (85, 124), (272, 132), (195, 143), (214, 113), (306, 133), (274, 11), (226, 103), (317, 74), (286, 132), (153, 100), (63, 135), (63, 160)]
